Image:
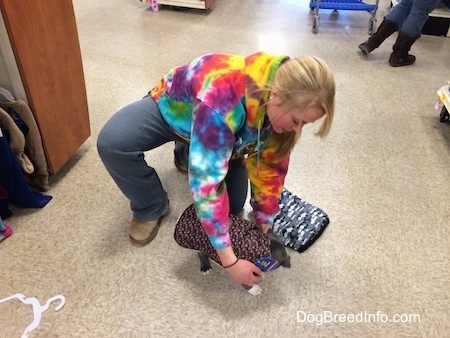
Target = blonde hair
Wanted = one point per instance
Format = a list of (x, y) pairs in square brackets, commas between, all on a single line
[(302, 83)]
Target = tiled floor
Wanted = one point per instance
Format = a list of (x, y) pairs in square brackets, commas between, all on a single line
[(382, 176)]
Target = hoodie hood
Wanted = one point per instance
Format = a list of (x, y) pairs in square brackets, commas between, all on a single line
[(260, 69)]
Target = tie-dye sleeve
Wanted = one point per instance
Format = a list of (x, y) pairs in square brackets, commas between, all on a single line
[(212, 141), (266, 181)]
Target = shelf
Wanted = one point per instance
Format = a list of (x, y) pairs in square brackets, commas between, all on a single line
[(441, 11), (43, 67), (444, 96), (198, 4)]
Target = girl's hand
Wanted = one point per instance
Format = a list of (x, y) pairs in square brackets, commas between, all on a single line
[(239, 270), (244, 272), (265, 228)]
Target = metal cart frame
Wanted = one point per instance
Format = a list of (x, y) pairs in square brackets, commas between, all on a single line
[(350, 5)]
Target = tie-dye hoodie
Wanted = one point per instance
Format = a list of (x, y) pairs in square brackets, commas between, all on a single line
[(217, 103)]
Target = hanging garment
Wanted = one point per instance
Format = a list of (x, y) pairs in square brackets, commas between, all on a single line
[(16, 140), (14, 188), (23, 117)]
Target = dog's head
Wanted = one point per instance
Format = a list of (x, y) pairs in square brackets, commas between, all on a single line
[(278, 250)]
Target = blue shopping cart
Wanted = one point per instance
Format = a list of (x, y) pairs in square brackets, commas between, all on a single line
[(348, 5)]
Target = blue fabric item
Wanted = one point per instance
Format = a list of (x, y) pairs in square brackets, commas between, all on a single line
[(5, 213), (13, 181)]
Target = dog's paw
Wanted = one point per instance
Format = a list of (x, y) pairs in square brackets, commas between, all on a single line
[(255, 290), (206, 271)]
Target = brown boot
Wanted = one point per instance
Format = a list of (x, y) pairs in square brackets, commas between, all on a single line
[(143, 232), (400, 56), (386, 29)]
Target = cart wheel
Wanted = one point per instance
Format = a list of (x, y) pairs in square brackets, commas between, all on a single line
[(316, 25), (372, 25), (444, 116)]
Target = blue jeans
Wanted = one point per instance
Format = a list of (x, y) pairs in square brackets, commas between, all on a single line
[(411, 15), (135, 129)]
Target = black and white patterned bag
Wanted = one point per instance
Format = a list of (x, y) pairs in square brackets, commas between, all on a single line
[(299, 223)]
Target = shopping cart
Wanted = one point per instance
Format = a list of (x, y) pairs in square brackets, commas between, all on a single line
[(347, 5)]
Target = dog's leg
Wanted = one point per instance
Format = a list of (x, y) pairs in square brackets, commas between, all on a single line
[(205, 265), (254, 290)]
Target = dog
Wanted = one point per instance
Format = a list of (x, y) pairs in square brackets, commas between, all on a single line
[(278, 255), (248, 242)]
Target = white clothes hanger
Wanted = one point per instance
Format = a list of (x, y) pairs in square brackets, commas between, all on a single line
[(7, 94), (37, 308)]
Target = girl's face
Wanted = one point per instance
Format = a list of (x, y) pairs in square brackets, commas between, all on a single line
[(283, 120)]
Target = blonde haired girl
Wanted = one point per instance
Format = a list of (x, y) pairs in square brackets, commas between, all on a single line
[(234, 119)]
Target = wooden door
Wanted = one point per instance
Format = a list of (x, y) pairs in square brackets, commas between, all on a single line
[(44, 38)]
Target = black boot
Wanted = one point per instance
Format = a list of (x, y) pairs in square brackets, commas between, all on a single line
[(181, 156), (386, 29), (400, 56)]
